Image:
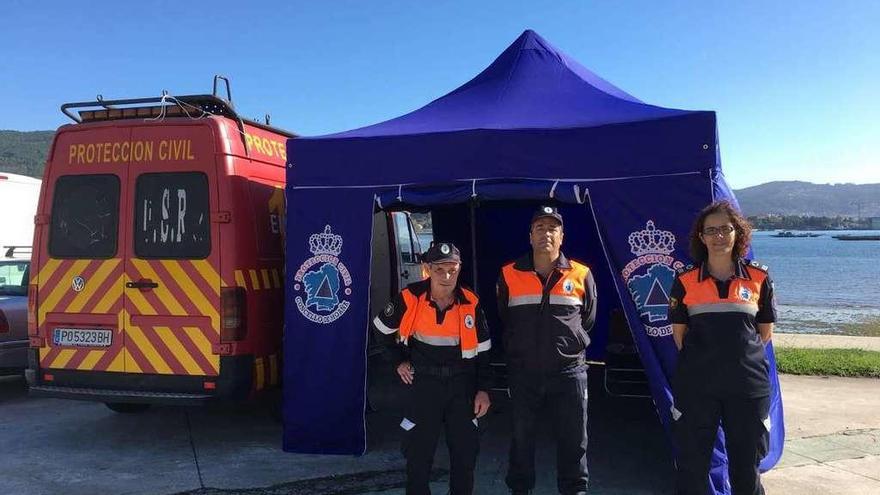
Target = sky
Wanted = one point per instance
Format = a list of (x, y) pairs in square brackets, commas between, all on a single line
[(796, 85)]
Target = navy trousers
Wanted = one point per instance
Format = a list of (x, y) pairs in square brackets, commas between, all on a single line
[(440, 404), (745, 433), (565, 397)]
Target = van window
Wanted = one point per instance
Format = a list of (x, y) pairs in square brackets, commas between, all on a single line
[(404, 237), (172, 217), (13, 278), (85, 216)]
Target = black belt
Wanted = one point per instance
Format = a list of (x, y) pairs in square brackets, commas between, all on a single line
[(444, 371)]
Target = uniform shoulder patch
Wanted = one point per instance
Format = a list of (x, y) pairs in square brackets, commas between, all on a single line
[(685, 269), (389, 308), (759, 265)]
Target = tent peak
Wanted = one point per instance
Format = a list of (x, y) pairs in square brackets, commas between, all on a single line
[(530, 85), (531, 40)]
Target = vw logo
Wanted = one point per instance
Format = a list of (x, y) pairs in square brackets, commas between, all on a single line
[(78, 284)]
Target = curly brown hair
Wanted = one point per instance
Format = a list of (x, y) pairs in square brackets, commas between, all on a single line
[(743, 228)]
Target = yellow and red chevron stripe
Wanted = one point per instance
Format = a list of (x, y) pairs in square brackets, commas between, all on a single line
[(172, 327), (266, 371), (258, 278), (153, 347), (102, 295), (167, 330)]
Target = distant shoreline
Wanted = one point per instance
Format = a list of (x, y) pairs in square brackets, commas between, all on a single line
[(840, 229)]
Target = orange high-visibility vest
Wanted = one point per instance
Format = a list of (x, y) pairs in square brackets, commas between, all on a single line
[(701, 297), (524, 287), (459, 325)]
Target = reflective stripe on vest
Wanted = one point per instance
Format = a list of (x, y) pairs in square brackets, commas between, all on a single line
[(701, 297), (459, 327), (524, 288), (699, 309)]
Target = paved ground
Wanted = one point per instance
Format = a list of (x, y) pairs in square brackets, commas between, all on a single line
[(826, 341), (53, 446), (832, 437)]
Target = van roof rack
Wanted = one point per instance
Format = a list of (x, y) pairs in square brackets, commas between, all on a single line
[(166, 105), (10, 250)]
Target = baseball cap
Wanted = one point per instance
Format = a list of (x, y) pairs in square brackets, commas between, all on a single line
[(442, 252), (546, 211)]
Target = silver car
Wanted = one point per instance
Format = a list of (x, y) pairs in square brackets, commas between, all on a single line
[(14, 276)]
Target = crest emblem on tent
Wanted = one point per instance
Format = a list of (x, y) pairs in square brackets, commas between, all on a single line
[(323, 282), (649, 277)]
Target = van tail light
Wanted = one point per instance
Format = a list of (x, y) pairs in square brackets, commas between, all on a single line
[(32, 311), (4, 324), (233, 317)]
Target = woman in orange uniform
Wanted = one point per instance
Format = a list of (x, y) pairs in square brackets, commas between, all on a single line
[(722, 312)]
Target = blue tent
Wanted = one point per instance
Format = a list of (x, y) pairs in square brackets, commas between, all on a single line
[(533, 127)]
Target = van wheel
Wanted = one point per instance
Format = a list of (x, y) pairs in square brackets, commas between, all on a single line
[(125, 408)]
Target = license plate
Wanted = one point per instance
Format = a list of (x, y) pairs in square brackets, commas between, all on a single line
[(82, 337)]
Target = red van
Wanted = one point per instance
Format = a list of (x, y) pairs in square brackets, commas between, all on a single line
[(158, 247)]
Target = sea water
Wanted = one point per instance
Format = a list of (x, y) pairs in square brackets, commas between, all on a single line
[(823, 285)]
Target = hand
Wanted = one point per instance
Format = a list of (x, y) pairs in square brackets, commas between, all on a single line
[(481, 404), (406, 372)]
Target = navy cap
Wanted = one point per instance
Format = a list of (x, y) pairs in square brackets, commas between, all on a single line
[(442, 252), (546, 211)]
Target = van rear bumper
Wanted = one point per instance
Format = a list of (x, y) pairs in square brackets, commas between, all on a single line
[(127, 396), (233, 383)]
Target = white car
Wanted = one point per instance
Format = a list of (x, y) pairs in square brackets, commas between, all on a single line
[(14, 276)]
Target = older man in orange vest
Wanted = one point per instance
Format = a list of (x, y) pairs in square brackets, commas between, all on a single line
[(437, 333), (547, 304)]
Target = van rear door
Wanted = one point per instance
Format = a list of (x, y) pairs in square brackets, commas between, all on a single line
[(79, 275), (172, 255)]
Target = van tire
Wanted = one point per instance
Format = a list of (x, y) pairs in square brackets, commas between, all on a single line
[(126, 408)]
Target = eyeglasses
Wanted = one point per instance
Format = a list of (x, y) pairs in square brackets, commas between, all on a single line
[(723, 230)]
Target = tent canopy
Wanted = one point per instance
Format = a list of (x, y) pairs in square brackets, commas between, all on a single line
[(533, 126), (532, 97)]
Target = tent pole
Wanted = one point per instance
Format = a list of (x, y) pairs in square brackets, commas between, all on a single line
[(473, 205)]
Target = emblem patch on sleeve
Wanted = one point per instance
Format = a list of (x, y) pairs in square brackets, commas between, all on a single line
[(389, 309)]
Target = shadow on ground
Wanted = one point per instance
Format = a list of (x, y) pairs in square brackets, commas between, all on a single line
[(628, 454), (78, 447)]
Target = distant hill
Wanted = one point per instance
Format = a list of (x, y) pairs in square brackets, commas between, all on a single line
[(24, 152), (806, 198)]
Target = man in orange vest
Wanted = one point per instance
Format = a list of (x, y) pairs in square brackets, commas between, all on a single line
[(547, 304), (438, 336)]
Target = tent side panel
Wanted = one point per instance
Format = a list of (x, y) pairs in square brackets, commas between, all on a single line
[(326, 320)]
